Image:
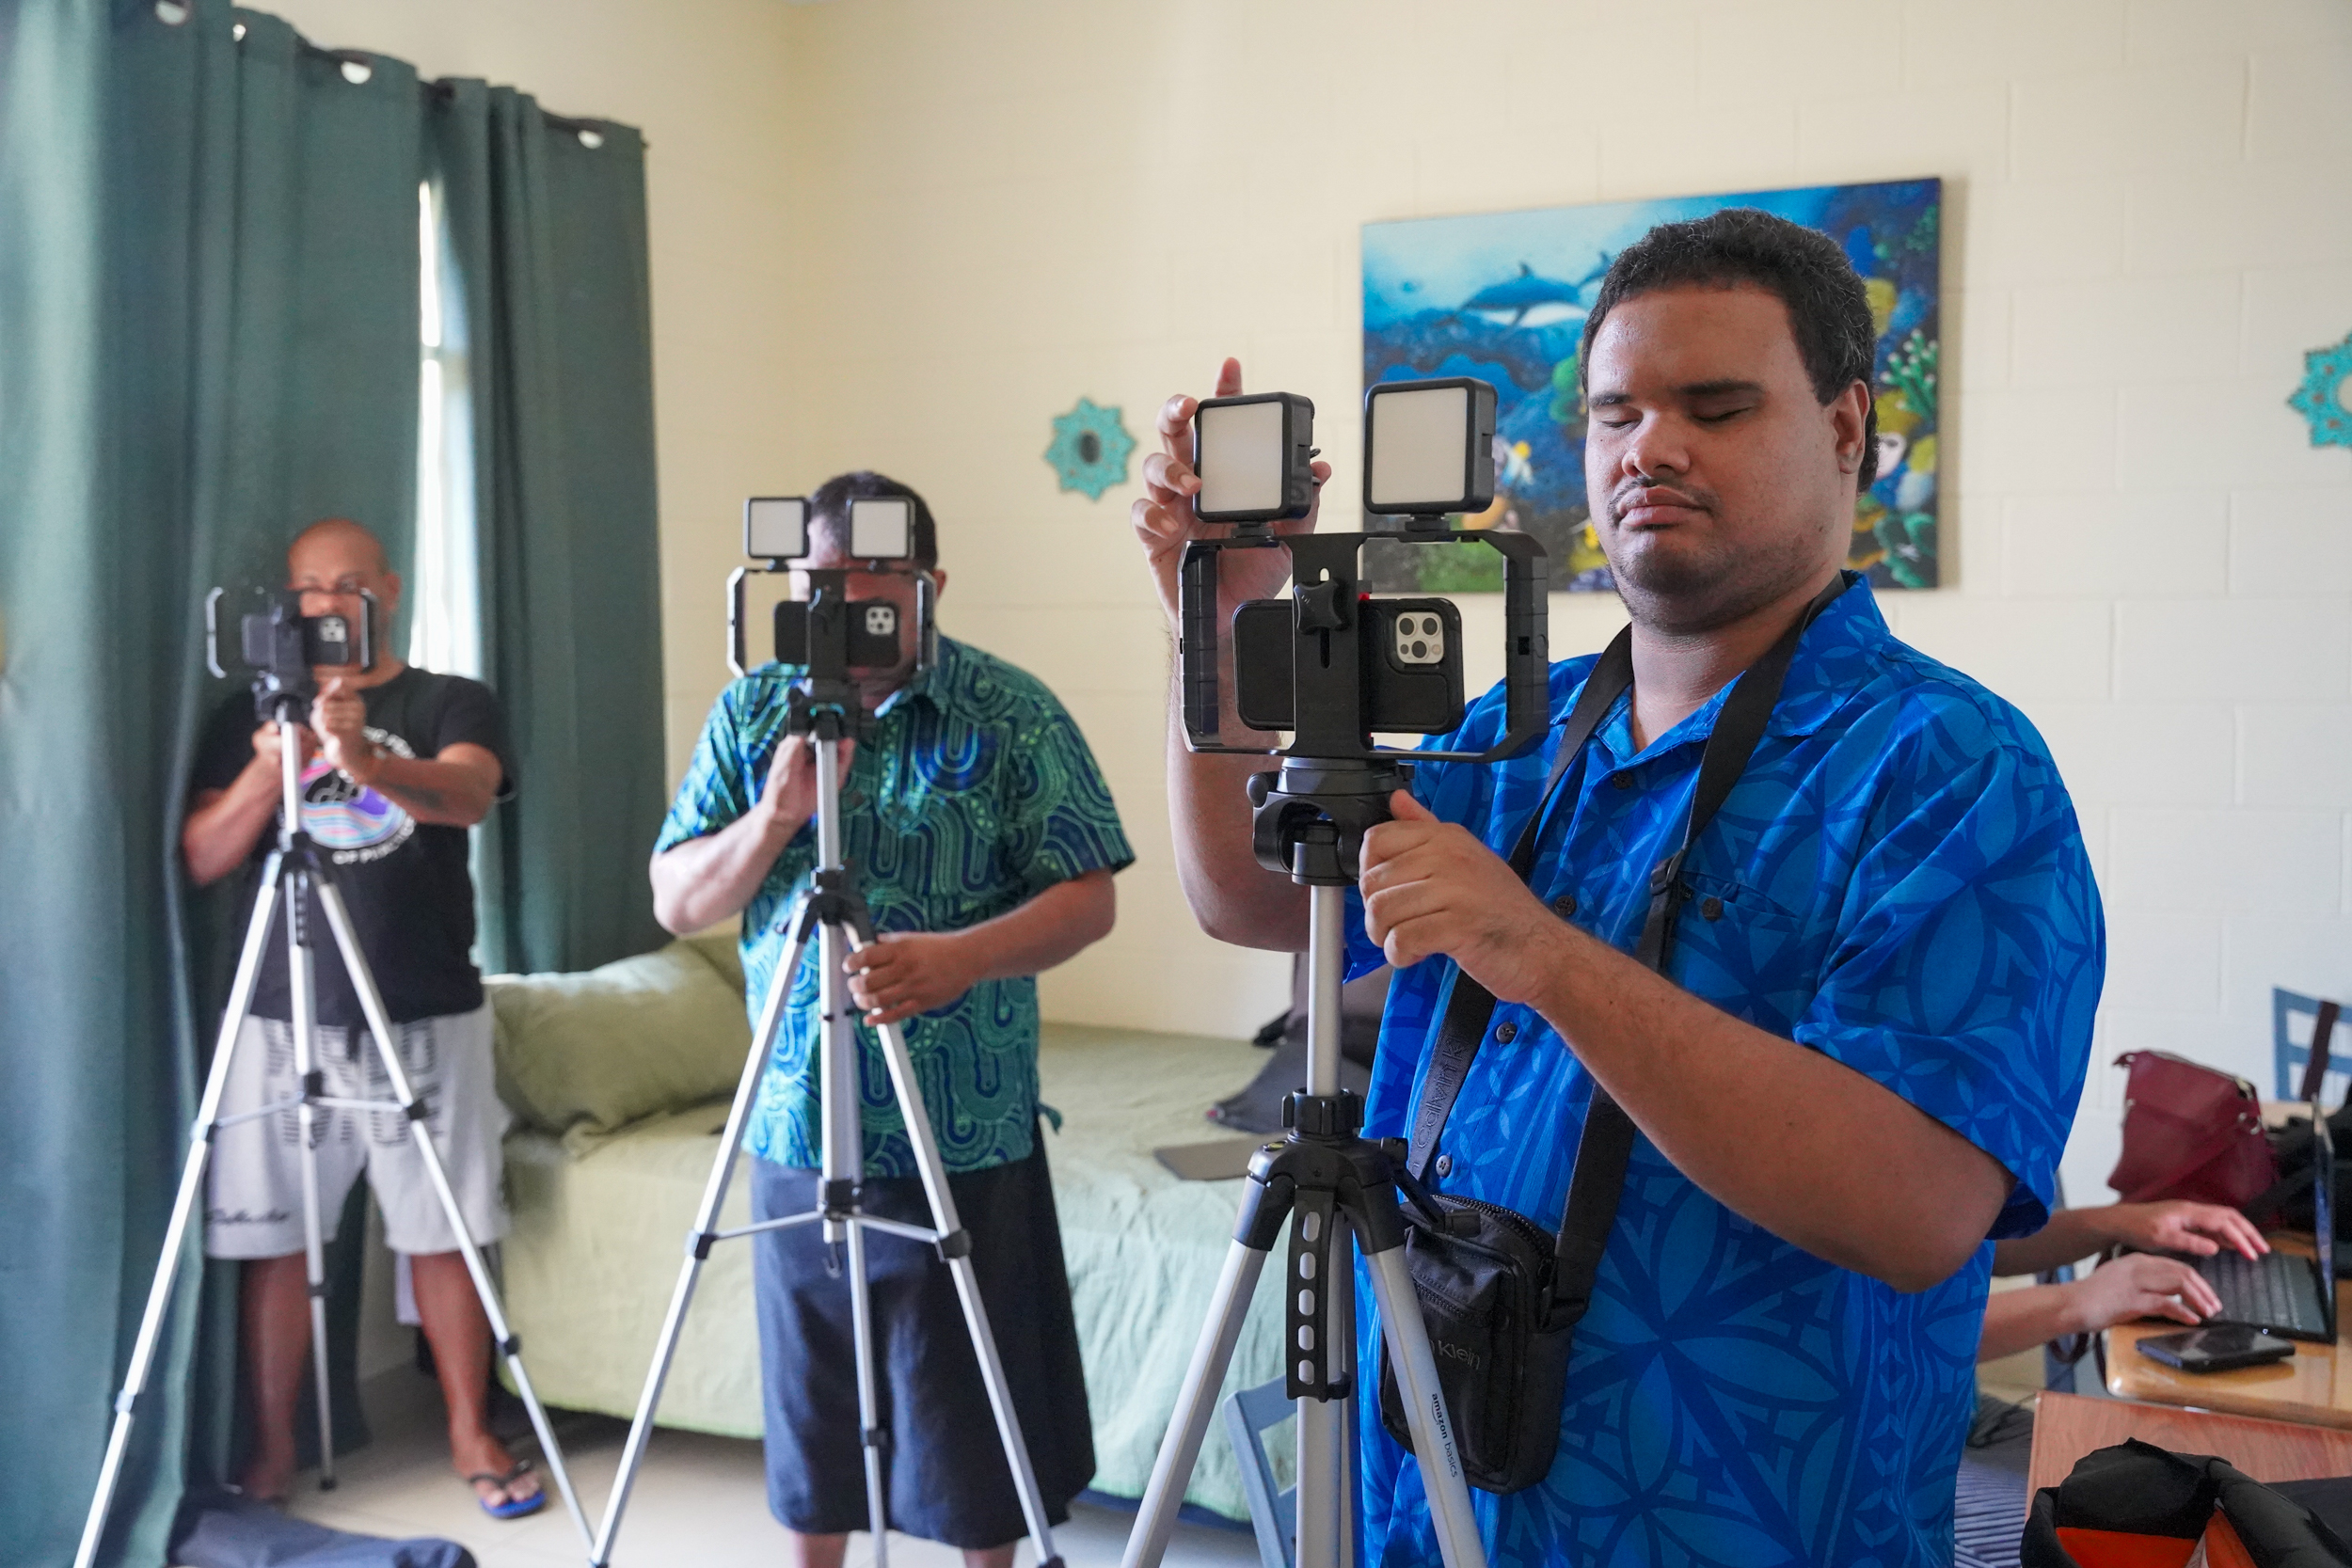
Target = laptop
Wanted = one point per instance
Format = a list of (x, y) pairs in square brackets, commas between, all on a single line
[(2293, 1298)]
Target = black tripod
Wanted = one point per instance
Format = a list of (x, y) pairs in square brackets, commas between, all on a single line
[(297, 869), (1340, 1188), (827, 711)]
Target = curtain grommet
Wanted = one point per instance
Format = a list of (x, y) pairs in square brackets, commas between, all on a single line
[(172, 13)]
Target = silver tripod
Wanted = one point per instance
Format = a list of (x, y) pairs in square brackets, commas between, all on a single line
[(1338, 1188), (294, 869), (833, 910)]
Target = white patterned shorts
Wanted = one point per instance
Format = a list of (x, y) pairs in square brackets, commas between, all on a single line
[(254, 1204)]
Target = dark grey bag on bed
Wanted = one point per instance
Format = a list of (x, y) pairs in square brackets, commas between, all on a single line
[(220, 1530), (1258, 1106)]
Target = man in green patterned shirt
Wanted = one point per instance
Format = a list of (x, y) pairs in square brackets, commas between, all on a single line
[(984, 841)]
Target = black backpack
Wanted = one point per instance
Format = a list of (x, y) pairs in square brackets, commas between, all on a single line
[(2287, 1203), (2136, 1489)]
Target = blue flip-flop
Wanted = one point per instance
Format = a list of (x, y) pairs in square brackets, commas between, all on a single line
[(509, 1508)]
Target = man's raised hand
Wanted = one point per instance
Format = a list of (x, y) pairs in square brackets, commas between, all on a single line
[(1430, 887), (1164, 520), (789, 798), (340, 714), (266, 747)]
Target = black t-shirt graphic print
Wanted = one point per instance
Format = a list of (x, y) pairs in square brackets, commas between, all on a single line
[(406, 883)]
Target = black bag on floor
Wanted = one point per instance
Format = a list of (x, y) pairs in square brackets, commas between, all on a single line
[(221, 1530)]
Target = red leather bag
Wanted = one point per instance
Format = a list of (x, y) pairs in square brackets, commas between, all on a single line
[(2190, 1132)]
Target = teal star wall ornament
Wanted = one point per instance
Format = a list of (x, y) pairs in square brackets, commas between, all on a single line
[(2326, 379), (1089, 449)]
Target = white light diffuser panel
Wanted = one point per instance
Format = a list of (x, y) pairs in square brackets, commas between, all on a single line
[(882, 528), (1419, 449), (775, 528), (1241, 458)]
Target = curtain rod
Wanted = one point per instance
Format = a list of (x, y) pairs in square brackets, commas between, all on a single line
[(172, 13), (440, 89)]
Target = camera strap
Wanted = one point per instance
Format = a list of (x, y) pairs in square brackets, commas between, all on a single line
[(1597, 1179)]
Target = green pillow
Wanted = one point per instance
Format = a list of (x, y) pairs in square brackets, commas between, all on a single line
[(593, 1051), (726, 952)]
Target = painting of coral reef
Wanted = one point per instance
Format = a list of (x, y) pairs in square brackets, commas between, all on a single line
[(1503, 296)]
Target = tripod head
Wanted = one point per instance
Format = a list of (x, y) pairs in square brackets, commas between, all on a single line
[(1332, 664), (830, 634)]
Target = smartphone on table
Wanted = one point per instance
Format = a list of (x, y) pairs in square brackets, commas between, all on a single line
[(2219, 1348)]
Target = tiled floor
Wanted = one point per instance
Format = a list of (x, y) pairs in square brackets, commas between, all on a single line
[(699, 1502)]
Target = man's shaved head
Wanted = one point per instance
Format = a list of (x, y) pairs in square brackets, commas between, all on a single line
[(342, 534), (335, 564)]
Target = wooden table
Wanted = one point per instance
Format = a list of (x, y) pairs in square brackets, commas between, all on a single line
[(2314, 1386), (2068, 1426)]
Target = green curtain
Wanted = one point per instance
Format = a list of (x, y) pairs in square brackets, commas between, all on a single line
[(547, 221), (208, 309), (87, 1021)]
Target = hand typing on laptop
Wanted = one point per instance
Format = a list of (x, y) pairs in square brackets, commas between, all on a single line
[(2139, 1284), (2136, 1285), (2200, 1229), (2195, 1229)]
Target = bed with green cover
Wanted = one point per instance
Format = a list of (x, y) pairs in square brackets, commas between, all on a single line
[(619, 1079)]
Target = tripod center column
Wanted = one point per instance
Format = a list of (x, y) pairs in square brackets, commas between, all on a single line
[(838, 1085), (1326, 965)]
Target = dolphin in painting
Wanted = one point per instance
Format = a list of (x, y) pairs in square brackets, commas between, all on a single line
[(1528, 300)]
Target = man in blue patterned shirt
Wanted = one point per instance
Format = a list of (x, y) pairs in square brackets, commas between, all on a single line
[(1863, 1059), (984, 841)]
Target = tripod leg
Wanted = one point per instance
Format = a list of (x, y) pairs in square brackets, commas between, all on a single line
[(871, 1431), (1343, 1310), (1424, 1411), (159, 1291), (388, 1052), (955, 1246), (303, 980), (1155, 1517), (1326, 1510), (697, 1248)]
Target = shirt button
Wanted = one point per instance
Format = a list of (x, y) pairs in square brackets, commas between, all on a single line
[(1507, 1032), (1623, 781), (1565, 905), (1711, 907), (1445, 1164)]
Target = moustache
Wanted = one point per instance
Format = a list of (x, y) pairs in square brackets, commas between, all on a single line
[(1636, 492)]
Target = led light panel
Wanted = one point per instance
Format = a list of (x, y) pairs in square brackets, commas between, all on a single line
[(882, 528), (775, 528), (1420, 450), (1241, 459)]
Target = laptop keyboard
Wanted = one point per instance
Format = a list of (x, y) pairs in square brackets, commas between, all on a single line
[(2260, 1290)]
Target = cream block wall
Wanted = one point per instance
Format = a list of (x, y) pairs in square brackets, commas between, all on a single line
[(1000, 208)]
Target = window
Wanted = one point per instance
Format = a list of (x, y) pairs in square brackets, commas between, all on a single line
[(445, 590)]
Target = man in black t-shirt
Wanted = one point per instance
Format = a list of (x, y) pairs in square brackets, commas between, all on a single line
[(397, 764)]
